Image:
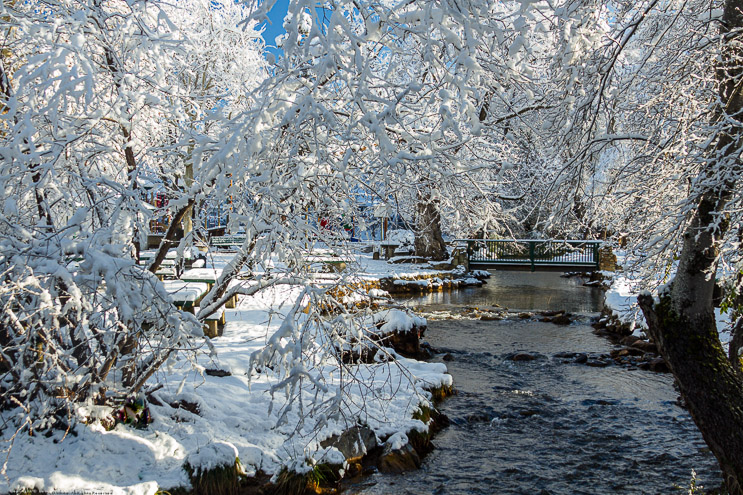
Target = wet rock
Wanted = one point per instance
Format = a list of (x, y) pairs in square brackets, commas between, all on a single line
[(617, 353), (406, 343), (629, 340), (602, 332), (522, 356), (353, 443), (552, 313), (609, 325), (477, 418), (529, 412), (645, 346), (471, 282), (399, 460), (626, 351), (658, 365), (448, 357), (481, 274), (353, 469), (369, 470), (581, 358), (524, 316), (596, 363), (428, 347), (491, 317), (566, 355), (562, 319)]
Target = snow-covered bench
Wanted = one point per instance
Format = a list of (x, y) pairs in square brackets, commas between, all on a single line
[(213, 323), (209, 277), (227, 240), (185, 295), (330, 263)]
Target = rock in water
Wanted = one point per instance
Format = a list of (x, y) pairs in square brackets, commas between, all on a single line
[(353, 443), (562, 319), (522, 356), (399, 460)]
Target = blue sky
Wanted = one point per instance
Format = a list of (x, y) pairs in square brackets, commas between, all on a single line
[(276, 14)]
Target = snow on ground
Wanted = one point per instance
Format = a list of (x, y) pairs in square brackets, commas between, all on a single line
[(236, 413), (370, 269), (621, 300)]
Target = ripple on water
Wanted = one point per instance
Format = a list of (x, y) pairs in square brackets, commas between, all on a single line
[(547, 427)]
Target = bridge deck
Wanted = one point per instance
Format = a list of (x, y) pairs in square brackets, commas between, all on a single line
[(533, 254)]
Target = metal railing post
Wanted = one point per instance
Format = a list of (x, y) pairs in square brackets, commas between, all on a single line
[(531, 254)]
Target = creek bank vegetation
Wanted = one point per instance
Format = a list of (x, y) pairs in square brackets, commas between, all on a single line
[(575, 118), (355, 451)]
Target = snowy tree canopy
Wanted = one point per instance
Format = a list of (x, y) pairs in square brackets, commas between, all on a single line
[(574, 118)]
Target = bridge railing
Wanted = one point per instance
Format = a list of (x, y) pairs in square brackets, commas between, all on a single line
[(533, 252)]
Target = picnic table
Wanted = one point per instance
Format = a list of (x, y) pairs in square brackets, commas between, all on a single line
[(185, 295), (214, 323), (166, 273), (168, 268), (329, 262), (208, 276), (389, 248)]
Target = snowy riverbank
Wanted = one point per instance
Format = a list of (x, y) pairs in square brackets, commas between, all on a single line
[(205, 415), (621, 301)]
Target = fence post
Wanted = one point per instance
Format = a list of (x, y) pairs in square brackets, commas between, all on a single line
[(531, 254)]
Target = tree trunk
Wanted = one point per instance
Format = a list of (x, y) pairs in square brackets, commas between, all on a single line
[(429, 242), (682, 320), (736, 314), (711, 387)]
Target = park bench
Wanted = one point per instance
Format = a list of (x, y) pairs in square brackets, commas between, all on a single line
[(214, 323), (227, 241), (168, 268)]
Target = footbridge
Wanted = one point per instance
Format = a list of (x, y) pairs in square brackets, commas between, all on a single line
[(532, 254)]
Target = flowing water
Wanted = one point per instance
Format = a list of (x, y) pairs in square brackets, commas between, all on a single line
[(547, 426)]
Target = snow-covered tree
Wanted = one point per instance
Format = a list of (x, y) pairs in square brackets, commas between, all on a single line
[(84, 86), (99, 97), (650, 116)]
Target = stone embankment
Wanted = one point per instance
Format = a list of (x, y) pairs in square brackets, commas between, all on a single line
[(633, 351)]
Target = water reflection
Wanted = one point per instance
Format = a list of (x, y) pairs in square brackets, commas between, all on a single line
[(521, 291)]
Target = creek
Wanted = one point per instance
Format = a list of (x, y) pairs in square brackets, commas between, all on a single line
[(546, 426)]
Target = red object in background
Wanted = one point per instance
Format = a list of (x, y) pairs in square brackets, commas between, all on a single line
[(160, 200), (324, 223)]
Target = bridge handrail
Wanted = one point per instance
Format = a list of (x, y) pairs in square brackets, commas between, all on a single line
[(533, 252), (574, 241)]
